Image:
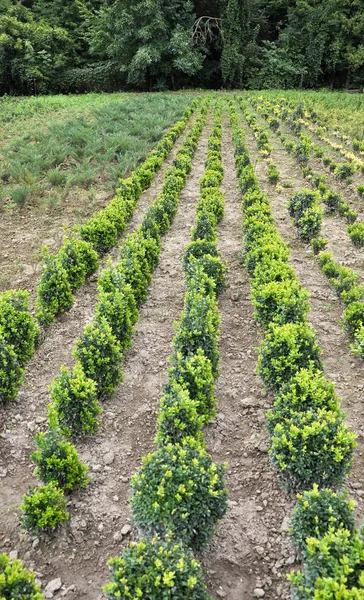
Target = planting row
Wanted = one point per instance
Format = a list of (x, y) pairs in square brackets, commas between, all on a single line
[(306, 212), (178, 493), (74, 409), (69, 268), (334, 201), (311, 446)]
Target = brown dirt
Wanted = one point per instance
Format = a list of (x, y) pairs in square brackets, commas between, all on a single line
[(341, 366), (78, 553), (251, 549)]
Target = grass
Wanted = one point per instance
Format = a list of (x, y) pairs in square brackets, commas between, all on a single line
[(100, 144)]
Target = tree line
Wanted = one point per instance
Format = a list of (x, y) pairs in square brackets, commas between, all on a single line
[(107, 45)]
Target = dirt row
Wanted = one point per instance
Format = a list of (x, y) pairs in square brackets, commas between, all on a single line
[(341, 366)]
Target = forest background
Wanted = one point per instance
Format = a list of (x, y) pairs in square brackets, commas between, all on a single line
[(62, 46)]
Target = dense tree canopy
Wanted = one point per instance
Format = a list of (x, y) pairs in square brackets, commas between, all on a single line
[(84, 45)]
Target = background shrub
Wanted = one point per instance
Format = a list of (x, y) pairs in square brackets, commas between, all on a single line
[(11, 374), (54, 290), (17, 325)]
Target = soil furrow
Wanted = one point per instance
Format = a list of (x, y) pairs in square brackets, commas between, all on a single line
[(251, 549)]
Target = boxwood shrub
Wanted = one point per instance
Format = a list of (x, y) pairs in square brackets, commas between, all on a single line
[(11, 373), (178, 416), (155, 568), (17, 325), (16, 583), (313, 446), (287, 349), (43, 508), (180, 488), (281, 302), (316, 513)]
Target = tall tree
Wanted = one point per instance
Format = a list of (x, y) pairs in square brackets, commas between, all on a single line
[(150, 39)]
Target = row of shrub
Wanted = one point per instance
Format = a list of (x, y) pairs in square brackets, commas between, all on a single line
[(68, 269), (260, 134), (305, 210), (75, 394), (311, 446), (178, 493), (333, 200)]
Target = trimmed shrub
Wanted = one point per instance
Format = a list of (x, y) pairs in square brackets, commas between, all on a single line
[(198, 327), (332, 200), (11, 374), (119, 310), (17, 325), (319, 244), (100, 232), (310, 447), (285, 350), (75, 400), (16, 583), (43, 508), (309, 225), (111, 281), (360, 190), (301, 201), (160, 567), (212, 199), (307, 389), (353, 316), (57, 459), (117, 213), (179, 489), (334, 568), (178, 416), (205, 228), (316, 513), (269, 250), (79, 260), (194, 373), (281, 302), (199, 249), (358, 346), (214, 268), (345, 171), (273, 270), (211, 179), (356, 234), (135, 266), (100, 354), (273, 174), (54, 290)]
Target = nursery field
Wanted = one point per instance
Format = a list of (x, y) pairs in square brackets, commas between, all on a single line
[(181, 368)]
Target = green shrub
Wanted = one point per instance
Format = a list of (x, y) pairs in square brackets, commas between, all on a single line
[(334, 568), (100, 354), (78, 260), (307, 389), (43, 508), (318, 244), (119, 310), (301, 201), (314, 446), (247, 179), (198, 249), (16, 583), (353, 316), (57, 459), (273, 270), (358, 346), (155, 568), (17, 325), (111, 281), (178, 417), (360, 190), (179, 488), (286, 349), (212, 199), (198, 327), (274, 249), (273, 174), (117, 213), (135, 267), (347, 212), (345, 171), (54, 290), (100, 232), (75, 399), (332, 200), (281, 302), (309, 224), (205, 228), (356, 234), (342, 278), (211, 179), (318, 511), (214, 268), (11, 374), (194, 373)]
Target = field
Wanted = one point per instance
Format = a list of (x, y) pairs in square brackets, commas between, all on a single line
[(201, 304)]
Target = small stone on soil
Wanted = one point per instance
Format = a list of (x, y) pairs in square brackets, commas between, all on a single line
[(259, 593)]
